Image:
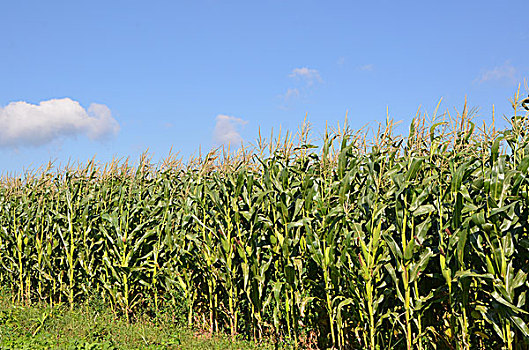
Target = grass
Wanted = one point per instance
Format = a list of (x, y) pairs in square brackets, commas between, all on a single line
[(94, 327)]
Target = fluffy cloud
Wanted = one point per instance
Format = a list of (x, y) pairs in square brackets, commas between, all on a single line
[(308, 75), (227, 129), (26, 124), (504, 72)]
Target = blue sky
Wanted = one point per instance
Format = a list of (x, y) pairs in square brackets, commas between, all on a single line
[(113, 78)]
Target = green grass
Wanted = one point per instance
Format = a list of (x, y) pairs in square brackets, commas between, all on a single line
[(94, 327)]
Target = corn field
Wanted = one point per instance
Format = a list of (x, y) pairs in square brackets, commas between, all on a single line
[(371, 241)]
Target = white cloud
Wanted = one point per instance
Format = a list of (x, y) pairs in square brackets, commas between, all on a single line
[(26, 124), (306, 78), (367, 67), (307, 74), (289, 96), (504, 72), (291, 93), (227, 129)]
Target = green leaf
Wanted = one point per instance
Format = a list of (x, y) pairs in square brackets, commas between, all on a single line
[(420, 265), (424, 209), (395, 250)]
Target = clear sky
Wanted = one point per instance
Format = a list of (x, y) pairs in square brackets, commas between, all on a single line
[(113, 78)]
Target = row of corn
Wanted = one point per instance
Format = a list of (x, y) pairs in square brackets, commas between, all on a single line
[(370, 241)]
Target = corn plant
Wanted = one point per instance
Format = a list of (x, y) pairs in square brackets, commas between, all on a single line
[(373, 240)]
